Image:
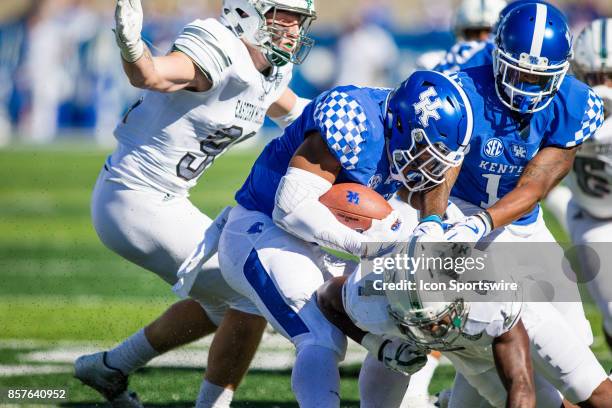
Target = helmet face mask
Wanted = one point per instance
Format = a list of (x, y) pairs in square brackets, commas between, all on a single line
[(260, 23), (522, 86), (424, 164), (531, 56), (436, 326), (281, 45)]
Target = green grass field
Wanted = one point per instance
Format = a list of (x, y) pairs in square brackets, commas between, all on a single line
[(60, 285)]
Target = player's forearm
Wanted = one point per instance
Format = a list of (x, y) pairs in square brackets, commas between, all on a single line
[(434, 201), (329, 300), (141, 72), (521, 394), (514, 205)]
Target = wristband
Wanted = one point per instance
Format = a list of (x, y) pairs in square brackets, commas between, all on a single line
[(432, 218), (486, 218)]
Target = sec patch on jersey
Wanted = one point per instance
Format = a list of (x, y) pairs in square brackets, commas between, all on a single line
[(355, 205)]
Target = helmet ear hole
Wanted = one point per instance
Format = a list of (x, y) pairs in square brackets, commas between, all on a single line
[(242, 13)]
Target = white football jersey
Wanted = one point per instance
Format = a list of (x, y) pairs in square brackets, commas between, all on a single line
[(167, 140), (368, 309), (599, 150)]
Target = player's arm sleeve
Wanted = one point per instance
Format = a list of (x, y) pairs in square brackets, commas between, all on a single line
[(298, 211), (202, 42), (576, 122)]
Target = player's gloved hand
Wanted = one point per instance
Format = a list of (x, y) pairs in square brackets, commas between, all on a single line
[(396, 355), (383, 235), (471, 229), (128, 25), (430, 229)]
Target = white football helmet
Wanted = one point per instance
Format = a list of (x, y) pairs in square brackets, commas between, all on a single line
[(429, 319), (477, 14), (593, 52), (247, 18)]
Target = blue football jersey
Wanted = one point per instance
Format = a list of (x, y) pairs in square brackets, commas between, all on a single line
[(466, 54), (504, 141), (351, 121)]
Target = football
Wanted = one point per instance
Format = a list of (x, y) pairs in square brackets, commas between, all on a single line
[(355, 205)]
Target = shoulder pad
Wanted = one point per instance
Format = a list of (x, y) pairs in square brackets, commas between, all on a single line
[(209, 45)]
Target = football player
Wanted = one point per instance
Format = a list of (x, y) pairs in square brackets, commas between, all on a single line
[(585, 208), (532, 118), (492, 344), (383, 139), (474, 22), (209, 93)]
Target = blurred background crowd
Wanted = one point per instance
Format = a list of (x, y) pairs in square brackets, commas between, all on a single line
[(61, 76)]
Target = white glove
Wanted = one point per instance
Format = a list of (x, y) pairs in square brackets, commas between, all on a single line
[(430, 229), (128, 25), (471, 229), (382, 236), (395, 354)]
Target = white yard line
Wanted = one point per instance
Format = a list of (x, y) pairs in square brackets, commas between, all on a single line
[(275, 353)]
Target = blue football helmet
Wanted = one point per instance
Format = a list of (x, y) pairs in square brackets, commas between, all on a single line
[(429, 126), (508, 9), (533, 47)]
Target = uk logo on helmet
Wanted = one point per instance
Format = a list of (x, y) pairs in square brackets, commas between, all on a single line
[(428, 108), (493, 148)]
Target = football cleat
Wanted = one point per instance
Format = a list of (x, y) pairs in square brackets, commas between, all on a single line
[(92, 370)]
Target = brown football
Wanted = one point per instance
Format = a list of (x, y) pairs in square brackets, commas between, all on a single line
[(355, 205)]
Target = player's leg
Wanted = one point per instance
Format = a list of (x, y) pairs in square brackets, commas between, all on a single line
[(379, 386), (279, 274), (569, 365), (595, 234), (156, 232), (465, 394), (418, 390), (238, 336)]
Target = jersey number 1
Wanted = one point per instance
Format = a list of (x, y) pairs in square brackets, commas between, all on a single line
[(212, 146), (492, 189)]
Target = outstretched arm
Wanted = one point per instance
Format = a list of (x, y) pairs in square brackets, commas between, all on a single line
[(513, 362), (540, 176), (287, 108), (169, 73), (395, 354)]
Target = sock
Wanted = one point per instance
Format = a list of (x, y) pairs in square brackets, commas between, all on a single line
[(379, 386), (133, 353), (315, 379), (419, 381), (214, 396)]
